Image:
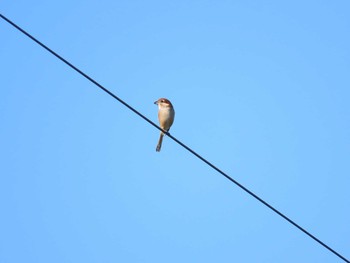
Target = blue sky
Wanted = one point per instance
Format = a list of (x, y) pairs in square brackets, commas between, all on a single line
[(260, 88)]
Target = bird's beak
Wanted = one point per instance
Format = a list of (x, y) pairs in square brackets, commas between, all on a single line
[(156, 102)]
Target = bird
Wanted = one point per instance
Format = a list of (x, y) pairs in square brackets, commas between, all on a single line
[(166, 115)]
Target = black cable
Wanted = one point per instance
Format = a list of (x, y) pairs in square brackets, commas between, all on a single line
[(176, 140)]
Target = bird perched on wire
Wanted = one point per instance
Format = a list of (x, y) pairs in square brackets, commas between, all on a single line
[(166, 115)]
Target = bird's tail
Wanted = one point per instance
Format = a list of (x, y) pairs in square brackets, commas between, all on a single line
[(159, 145)]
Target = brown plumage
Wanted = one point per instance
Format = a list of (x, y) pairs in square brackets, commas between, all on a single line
[(166, 115)]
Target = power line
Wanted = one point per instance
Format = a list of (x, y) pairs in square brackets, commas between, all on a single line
[(176, 140)]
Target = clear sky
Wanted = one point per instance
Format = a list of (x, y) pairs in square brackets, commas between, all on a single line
[(260, 88)]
